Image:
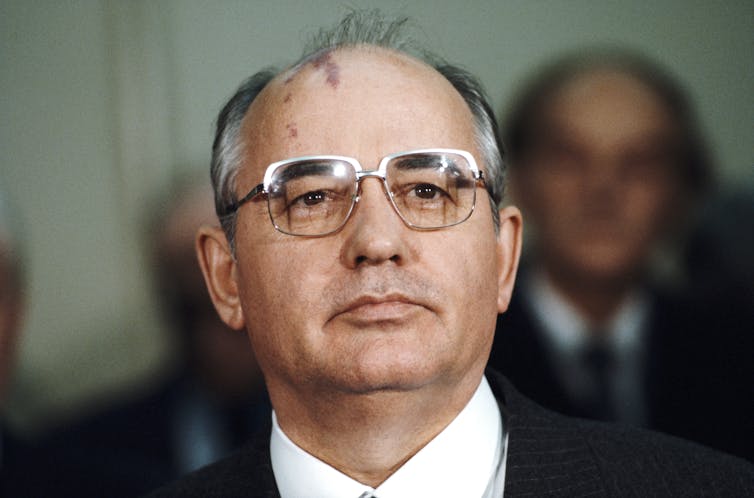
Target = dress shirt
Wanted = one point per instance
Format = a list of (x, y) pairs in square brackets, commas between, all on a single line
[(204, 429), (466, 459), (198, 433), (567, 334)]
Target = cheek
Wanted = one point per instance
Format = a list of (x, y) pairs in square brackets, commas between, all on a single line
[(551, 197), (474, 279), (278, 286), (480, 309), (648, 206), (274, 314), (281, 288)]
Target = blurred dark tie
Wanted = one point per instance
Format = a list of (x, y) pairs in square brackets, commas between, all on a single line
[(599, 361)]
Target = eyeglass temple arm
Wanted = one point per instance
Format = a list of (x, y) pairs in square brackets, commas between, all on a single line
[(234, 206), (481, 178)]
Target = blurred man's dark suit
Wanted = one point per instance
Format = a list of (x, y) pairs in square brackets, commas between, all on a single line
[(548, 455), (697, 380), (131, 447), (13, 455)]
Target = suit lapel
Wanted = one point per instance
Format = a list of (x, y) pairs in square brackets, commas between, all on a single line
[(520, 353), (544, 456), (263, 478)]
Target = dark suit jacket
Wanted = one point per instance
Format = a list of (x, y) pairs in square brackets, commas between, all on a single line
[(13, 453), (124, 451), (548, 455), (698, 377)]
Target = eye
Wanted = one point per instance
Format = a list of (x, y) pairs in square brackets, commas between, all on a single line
[(312, 198), (427, 191), (316, 201)]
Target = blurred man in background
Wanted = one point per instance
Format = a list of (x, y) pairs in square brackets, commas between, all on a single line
[(11, 306), (211, 402), (607, 164)]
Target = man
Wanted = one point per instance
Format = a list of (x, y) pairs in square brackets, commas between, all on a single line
[(12, 448), (206, 406), (361, 256), (607, 163), (11, 293)]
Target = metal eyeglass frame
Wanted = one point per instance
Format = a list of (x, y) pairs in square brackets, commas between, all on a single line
[(361, 173)]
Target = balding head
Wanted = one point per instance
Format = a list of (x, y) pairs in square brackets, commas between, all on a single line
[(359, 29)]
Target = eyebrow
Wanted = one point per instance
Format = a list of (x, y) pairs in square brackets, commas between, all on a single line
[(312, 167), (416, 161)]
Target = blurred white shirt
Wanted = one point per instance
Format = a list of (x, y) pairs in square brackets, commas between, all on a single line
[(567, 333)]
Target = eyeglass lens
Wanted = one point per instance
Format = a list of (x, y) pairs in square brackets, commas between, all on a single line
[(316, 196)]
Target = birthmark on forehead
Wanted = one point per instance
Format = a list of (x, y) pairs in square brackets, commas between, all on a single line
[(325, 62), (287, 98), (292, 130)]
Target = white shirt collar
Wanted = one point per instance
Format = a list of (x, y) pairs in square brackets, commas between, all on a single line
[(568, 330), (566, 334), (465, 459)]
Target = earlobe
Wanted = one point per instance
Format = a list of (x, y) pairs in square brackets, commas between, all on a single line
[(508, 254), (219, 269)]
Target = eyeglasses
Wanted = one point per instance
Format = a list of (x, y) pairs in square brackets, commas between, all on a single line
[(315, 195)]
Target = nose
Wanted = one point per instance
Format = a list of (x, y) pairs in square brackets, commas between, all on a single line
[(375, 234), (603, 176), (602, 187)]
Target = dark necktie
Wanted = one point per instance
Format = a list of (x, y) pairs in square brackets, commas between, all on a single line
[(598, 360)]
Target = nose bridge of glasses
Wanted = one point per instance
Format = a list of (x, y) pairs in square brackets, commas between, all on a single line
[(372, 173), (377, 175), (369, 173)]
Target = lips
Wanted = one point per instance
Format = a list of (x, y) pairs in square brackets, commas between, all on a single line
[(370, 309), (380, 294)]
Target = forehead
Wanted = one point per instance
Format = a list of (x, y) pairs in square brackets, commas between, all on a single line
[(610, 101), (364, 102)]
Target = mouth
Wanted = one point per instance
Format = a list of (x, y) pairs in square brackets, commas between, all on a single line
[(379, 309)]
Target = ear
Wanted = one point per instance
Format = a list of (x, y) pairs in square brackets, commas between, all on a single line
[(508, 254), (219, 269)]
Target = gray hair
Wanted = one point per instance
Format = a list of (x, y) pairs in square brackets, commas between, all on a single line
[(356, 28)]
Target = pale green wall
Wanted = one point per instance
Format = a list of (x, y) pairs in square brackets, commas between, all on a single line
[(101, 101)]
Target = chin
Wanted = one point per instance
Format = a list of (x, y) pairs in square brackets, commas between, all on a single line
[(606, 270), (390, 374)]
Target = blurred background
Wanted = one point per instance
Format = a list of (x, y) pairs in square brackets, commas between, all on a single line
[(105, 103)]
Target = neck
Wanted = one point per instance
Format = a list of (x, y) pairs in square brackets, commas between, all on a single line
[(369, 436), (598, 299)]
